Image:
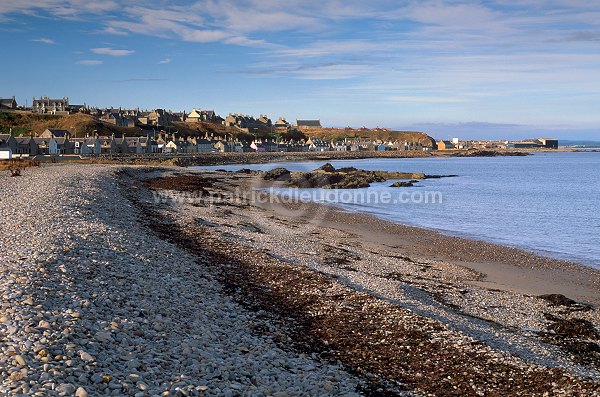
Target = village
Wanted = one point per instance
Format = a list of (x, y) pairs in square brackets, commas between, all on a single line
[(157, 131)]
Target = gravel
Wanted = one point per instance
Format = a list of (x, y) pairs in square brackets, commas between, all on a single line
[(94, 304)]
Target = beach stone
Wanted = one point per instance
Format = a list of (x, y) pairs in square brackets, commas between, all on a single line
[(20, 360), (81, 392), (85, 356), (104, 337), (66, 389), (44, 324)]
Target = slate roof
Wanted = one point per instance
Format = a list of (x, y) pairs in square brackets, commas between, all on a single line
[(308, 123)]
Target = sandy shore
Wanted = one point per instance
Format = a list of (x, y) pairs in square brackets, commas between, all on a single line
[(289, 257)]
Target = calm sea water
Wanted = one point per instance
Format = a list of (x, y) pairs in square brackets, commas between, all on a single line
[(547, 203)]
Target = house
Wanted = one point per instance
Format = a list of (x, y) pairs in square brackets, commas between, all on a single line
[(317, 145), (186, 146), (281, 126), (77, 109), (308, 125), (204, 146), (118, 120), (54, 133), (108, 144), (247, 123), (133, 145), (445, 145), (43, 145), (120, 145), (86, 145), (26, 146), (340, 146), (59, 146), (161, 143), (202, 115), (295, 146), (159, 117), (8, 142), (8, 103), (550, 143), (171, 147), (48, 105), (257, 146), (271, 146), (148, 144), (223, 146), (237, 147)]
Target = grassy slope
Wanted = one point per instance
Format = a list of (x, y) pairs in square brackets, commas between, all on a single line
[(339, 133), (27, 124)]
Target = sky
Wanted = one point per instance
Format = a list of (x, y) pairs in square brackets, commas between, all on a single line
[(472, 69)]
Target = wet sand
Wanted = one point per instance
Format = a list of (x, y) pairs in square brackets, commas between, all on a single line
[(502, 267)]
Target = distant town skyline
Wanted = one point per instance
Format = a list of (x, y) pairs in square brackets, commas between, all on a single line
[(475, 69)]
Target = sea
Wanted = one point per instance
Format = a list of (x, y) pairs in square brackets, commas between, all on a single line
[(548, 203)]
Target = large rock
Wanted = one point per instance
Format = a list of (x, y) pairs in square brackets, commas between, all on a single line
[(403, 184), (277, 174), (327, 168)]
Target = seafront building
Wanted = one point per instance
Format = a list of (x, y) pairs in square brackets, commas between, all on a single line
[(156, 121)]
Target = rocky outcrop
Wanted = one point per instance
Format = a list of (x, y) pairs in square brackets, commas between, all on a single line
[(327, 168), (404, 183), (277, 174), (327, 177)]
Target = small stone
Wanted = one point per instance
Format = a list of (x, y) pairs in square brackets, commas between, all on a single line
[(3, 319), (28, 301), (133, 364), (20, 360), (44, 324), (97, 378), (81, 392), (104, 337), (16, 376), (85, 356), (66, 389)]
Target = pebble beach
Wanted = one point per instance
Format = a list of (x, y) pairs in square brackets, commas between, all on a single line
[(105, 291), (92, 303)]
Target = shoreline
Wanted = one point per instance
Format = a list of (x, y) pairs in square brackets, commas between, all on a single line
[(505, 267)]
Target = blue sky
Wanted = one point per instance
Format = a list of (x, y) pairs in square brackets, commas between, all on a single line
[(476, 69)]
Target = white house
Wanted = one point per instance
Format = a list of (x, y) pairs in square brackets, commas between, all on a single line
[(58, 145)]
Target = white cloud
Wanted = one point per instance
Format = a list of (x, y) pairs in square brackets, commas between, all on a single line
[(44, 40), (114, 31), (111, 51), (164, 61), (89, 62)]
